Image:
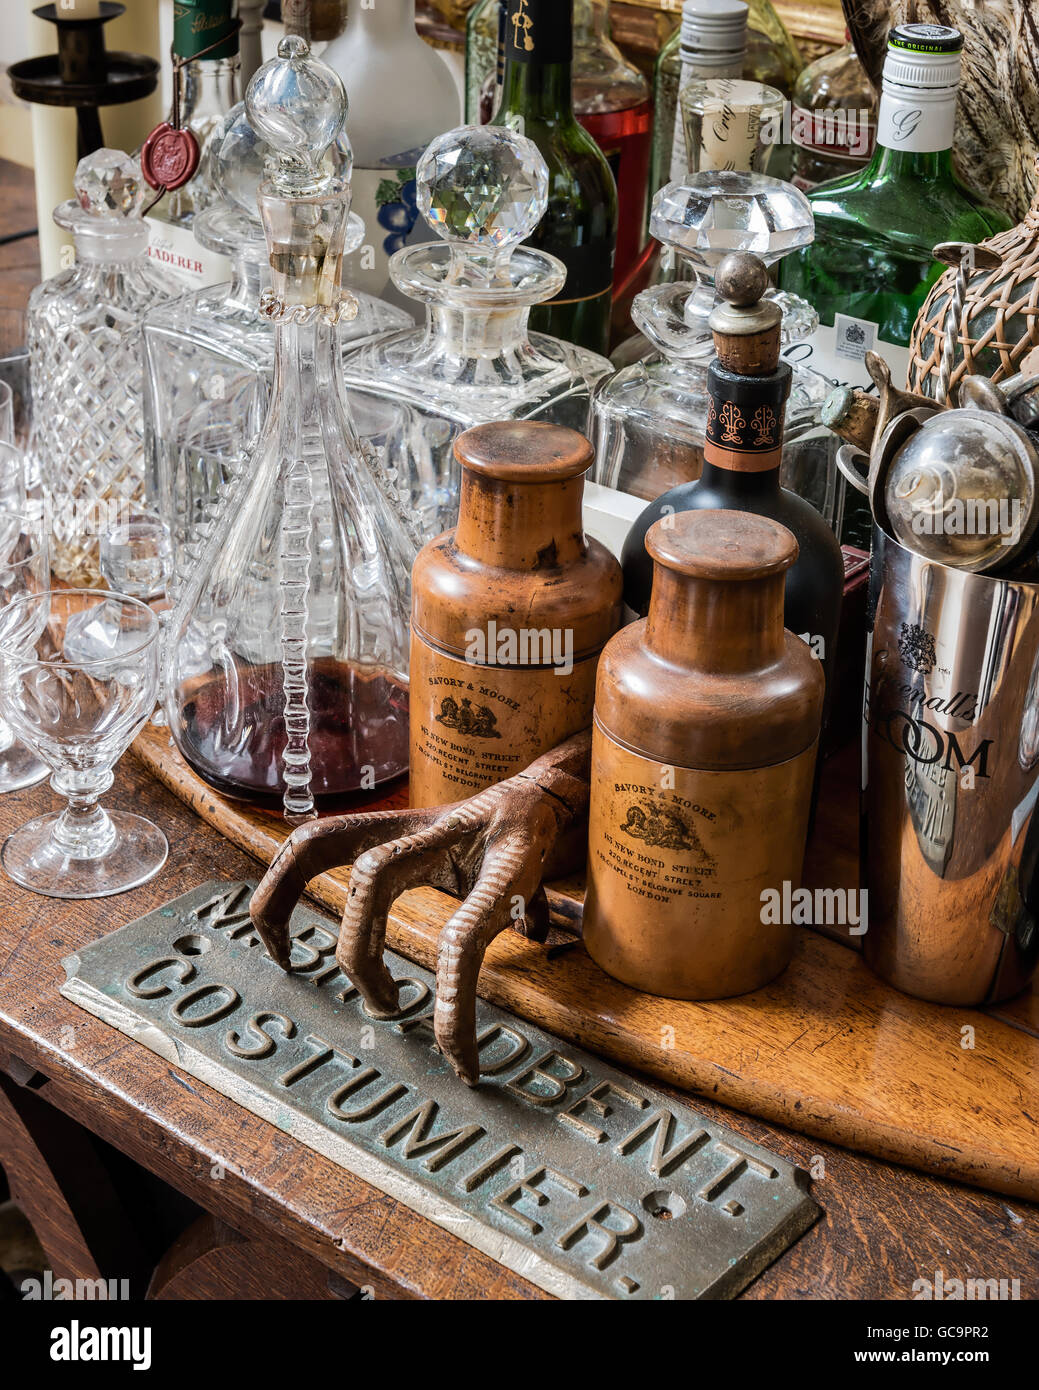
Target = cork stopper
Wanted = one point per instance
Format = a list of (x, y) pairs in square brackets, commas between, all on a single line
[(745, 326)]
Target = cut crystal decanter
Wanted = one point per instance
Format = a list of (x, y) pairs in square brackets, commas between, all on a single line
[(649, 419), (209, 356), (85, 361), (482, 189), (286, 668)]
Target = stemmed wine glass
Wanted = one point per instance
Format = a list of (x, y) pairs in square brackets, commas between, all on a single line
[(24, 569), (80, 715)]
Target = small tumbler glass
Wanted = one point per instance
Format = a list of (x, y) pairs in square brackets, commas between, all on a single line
[(136, 556)]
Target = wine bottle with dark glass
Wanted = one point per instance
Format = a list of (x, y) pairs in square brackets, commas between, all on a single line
[(580, 225), (747, 387)]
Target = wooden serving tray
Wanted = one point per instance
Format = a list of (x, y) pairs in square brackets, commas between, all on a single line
[(828, 1049)]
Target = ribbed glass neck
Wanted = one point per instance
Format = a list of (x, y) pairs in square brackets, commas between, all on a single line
[(308, 390)]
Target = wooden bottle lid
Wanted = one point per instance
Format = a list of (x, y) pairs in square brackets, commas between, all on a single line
[(721, 545), (524, 451)]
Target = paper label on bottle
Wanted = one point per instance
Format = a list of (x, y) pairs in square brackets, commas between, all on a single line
[(836, 132), (198, 25), (385, 198), (678, 860), (176, 251), (692, 70), (730, 129), (472, 726), (917, 122), (838, 353)]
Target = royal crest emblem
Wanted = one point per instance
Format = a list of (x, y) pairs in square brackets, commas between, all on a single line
[(475, 720), (916, 648)]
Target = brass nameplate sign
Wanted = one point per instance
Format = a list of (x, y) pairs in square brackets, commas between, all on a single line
[(585, 1181)]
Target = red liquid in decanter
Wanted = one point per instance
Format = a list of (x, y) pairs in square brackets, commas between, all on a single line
[(234, 736)]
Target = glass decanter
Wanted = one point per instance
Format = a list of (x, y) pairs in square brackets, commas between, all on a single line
[(209, 356), (483, 189), (286, 667), (649, 419), (85, 362)]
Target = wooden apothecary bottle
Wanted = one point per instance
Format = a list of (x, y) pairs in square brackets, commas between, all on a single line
[(510, 612), (707, 716)]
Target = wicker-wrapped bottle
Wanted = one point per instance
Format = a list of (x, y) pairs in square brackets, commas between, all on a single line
[(999, 324)]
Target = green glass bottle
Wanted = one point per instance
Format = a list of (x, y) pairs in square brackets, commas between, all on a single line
[(870, 267), (580, 224)]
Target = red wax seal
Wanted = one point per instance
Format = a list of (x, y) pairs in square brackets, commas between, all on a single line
[(169, 157)]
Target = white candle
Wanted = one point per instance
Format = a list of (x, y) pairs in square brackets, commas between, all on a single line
[(78, 9)]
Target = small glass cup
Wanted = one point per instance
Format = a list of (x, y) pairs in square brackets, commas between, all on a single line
[(136, 556), (731, 124), (80, 716), (24, 569)]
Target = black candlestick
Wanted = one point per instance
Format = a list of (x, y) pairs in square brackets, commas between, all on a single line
[(83, 73)]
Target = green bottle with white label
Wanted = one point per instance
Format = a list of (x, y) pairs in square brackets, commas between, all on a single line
[(870, 267)]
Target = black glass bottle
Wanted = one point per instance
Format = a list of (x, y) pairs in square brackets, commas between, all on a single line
[(580, 225), (748, 388)]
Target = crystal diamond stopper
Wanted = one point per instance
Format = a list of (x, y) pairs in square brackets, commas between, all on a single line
[(108, 184), (717, 211), (483, 187)]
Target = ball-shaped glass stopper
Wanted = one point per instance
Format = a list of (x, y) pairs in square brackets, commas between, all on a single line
[(240, 159), (483, 187), (108, 183), (296, 104)]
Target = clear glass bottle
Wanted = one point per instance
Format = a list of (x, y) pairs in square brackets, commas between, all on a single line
[(286, 674), (834, 119), (730, 124), (612, 101), (402, 96), (649, 419), (871, 264), (720, 38), (483, 190), (206, 89), (209, 356), (85, 361)]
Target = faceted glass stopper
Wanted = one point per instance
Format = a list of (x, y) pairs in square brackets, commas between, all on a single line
[(483, 189), (297, 105), (718, 211), (108, 184), (240, 159)]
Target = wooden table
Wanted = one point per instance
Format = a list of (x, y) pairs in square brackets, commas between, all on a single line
[(311, 1226), (274, 1219)]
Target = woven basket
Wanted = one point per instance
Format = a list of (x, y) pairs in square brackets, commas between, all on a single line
[(1000, 321)]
